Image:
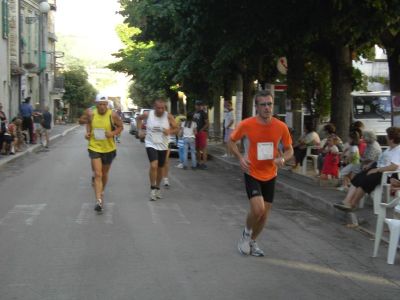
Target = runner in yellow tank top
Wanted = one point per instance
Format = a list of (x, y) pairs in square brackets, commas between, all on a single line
[(102, 150)]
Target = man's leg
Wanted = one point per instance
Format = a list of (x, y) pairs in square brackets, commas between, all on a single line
[(257, 217), (358, 194), (104, 178), (97, 168), (153, 173)]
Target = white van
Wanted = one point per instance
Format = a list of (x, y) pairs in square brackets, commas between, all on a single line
[(374, 110)]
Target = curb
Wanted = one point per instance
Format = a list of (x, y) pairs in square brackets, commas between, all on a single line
[(35, 147)]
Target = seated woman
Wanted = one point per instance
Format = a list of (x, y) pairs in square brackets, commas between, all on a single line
[(368, 179), (309, 138)]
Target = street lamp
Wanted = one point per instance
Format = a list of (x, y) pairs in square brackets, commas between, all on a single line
[(44, 8)]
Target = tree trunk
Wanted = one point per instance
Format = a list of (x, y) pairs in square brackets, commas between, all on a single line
[(227, 90), (248, 93), (295, 77), (239, 99), (217, 115), (173, 98), (392, 47), (341, 68)]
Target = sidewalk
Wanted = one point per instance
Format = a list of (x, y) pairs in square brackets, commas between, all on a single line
[(316, 197), (56, 132)]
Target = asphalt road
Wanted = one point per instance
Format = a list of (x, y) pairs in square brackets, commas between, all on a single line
[(54, 246)]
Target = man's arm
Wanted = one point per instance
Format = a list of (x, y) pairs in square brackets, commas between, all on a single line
[(287, 154), (139, 121), (243, 161), (117, 124), (173, 128)]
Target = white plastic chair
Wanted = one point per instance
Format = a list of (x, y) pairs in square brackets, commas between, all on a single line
[(381, 208), (376, 194), (313, 157), (394, 227)]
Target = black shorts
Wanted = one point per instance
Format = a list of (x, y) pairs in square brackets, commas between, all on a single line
[(106, 158), (159, 155), (255, 187)]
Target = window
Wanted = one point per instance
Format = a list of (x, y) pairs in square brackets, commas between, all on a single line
[(4, 18)]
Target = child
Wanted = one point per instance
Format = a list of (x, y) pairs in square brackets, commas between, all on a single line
[(352, 158), (330, 166), (188, 132)]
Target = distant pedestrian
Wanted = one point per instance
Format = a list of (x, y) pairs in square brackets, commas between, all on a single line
[(188, 132), (229, 125), (159, 125), (259, 164), (37, 120), (201, 118), (179, 119), (3, 124), (26, 111), (331, 160), (46, 125), (103, 125)]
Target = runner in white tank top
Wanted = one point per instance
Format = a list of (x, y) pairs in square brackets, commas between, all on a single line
[(160, 124)]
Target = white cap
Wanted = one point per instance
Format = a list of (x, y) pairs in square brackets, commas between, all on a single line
[(101, 97), (110, 104)]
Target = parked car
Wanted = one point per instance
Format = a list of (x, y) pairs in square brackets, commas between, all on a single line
[(126, 116), (133, 124), (173, 145)]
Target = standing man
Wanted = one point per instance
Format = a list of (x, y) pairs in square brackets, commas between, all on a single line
[(264, 133), (159, 125), (37, 120), (201, 119), (46, 125), (26, 111), (229, 121), (103, 125)]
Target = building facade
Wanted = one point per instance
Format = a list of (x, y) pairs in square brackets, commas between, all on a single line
[(27, 54)]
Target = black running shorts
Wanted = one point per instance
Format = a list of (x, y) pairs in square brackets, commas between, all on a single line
[(106, 158), (159, 155), (255, 187)]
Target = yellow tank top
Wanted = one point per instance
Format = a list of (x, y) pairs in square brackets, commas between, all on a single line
[(100, 124)]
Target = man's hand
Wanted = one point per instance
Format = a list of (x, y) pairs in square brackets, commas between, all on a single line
[(279, 161), (87, 135), (109, 134), (244, 164)]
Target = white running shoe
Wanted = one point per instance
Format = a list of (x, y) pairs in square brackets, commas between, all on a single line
[(166, 182), (158, 194), (255, 250), (244, 243), (179, 166), (153, 195)]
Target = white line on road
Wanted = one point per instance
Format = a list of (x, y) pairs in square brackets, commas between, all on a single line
[(84, 214), (32, 210), (109, 209)]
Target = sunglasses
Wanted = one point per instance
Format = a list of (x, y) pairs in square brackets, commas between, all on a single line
[(264, 104)]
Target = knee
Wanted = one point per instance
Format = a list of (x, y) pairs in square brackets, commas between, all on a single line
[(154, 165), (260, 214), (98, 174)]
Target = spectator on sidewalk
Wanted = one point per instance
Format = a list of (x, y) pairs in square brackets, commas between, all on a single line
[(201, 119), (351, 157), (229, 125), (188, 131), (179, 119), (19, 137), (3, 124), (308, 139), (329, 131), (331, 159), (368, 179), (359, 127), (46, 125), (26, 111), (37, 120)]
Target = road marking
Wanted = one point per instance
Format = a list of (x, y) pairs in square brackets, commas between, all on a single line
[(155, 207), (109, 209), (84, 214), (32, 210), (87, 213)]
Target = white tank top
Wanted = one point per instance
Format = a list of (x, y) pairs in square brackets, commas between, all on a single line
[(155, 138)]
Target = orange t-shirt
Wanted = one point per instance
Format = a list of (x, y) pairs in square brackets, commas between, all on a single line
[(263, 142)]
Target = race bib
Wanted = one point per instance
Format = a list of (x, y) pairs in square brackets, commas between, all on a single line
[(265, 151), (157, 135), (99, 134)]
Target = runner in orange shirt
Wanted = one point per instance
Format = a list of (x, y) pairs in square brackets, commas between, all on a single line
[(260, 163)]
